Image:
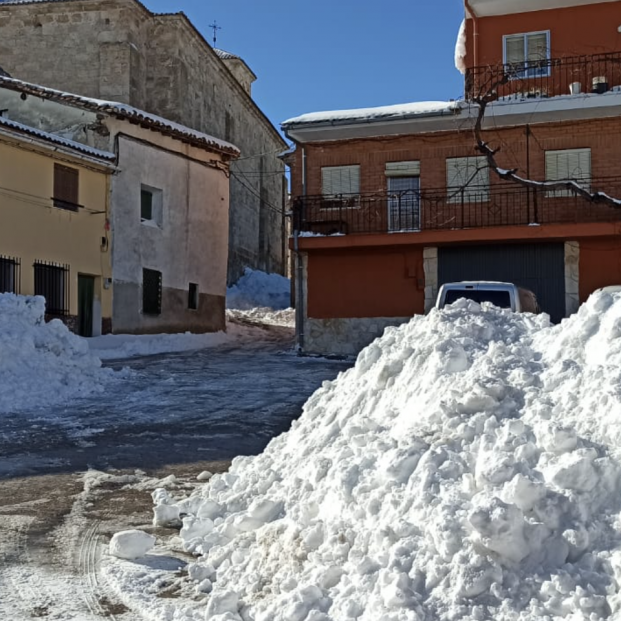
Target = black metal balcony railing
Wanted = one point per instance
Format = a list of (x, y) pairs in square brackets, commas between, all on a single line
[(501, 204), (594, 73)]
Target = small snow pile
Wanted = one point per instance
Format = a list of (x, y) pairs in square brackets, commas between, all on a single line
[(460, 49), (466, 468), (131, 544), (42, 363), (258, 289)]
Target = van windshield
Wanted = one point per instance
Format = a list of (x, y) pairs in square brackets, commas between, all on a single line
[(502, 299)]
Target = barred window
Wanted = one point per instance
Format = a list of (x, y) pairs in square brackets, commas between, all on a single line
[(9, 274), (66, 187), (151, 292), (52, 282)]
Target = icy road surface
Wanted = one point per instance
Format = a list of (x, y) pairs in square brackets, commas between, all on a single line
[(212, 404)]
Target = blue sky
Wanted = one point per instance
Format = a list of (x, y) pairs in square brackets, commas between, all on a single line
[(313, 55)]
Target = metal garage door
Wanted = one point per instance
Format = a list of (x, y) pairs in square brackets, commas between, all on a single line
[(538, 267)]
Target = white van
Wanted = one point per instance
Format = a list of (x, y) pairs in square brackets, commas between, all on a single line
[(501, 294)]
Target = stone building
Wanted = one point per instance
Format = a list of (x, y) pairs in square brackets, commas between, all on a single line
[(118, 50)]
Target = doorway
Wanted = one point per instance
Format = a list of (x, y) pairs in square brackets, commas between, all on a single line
[(86, 298)]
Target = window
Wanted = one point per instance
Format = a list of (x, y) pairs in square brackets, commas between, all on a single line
[(66, 187), (193, 296), (151, 292), (403, 196), (571, 165), (467, 179), (527, 55), (150, 206), (51, 280), (9, 275), (337, 180)]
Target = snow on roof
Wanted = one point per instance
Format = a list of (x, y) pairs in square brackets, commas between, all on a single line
[(77, 146), (367, 115), (124, 111), (225, 55), (460, 49)]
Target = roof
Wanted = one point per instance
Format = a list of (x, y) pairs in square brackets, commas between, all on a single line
[(123, 111), (225, 55), (369, 115), (55, 139), (485, 8)]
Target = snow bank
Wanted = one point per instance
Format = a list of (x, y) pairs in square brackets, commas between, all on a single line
[(258, 289), (42, 363), (466, 468)]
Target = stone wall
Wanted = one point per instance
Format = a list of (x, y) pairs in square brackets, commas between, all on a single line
[(345, 337), (118, 50)]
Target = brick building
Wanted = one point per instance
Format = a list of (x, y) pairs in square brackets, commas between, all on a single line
[(120, 51), (392, 202)]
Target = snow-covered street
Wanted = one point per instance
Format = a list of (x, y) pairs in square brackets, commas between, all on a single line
[(158, 424)]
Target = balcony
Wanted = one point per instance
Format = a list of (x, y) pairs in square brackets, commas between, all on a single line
[(571, 75), (499, 205)]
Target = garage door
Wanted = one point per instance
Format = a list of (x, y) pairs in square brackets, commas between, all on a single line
[(538, 267)]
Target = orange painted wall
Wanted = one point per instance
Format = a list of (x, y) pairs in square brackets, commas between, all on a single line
[(574, 31), (366, 283), (600, 264)]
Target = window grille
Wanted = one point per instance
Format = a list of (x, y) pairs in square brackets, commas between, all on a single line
[(52, 282), (151, 292), (10, 268)]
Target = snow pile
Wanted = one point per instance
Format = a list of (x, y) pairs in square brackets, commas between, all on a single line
[(258, 289), (466, 468), (42, 363), (460, 49)]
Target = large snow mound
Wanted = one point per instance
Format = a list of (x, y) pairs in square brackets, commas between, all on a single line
[(42, 363), (466, 468), (259, 289)]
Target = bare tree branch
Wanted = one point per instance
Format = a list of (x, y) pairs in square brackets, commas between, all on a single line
[(482, 101)]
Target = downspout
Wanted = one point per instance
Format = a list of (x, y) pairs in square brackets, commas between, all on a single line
[(475, 32), (299, 278)]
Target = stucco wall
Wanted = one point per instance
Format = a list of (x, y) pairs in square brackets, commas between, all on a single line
[(32, 229), (117, 50), (190, 245)]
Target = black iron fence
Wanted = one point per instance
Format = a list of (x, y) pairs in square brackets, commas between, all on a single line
[(51, 280), (10, 272), (594, 73), (500, 204)]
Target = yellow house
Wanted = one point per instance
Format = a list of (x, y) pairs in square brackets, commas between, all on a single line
[(54, 225)]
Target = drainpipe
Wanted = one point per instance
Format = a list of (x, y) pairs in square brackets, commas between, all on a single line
[(299, 278), (475, 23)]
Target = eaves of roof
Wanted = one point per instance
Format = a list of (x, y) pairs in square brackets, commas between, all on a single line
[(79, 149), (124, 112)]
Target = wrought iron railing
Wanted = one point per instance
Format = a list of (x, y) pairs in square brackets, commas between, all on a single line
[(594, 73), (497, 205), (51, 280), (10, 272)]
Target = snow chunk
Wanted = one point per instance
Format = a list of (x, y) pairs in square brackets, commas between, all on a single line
[(131, 544)]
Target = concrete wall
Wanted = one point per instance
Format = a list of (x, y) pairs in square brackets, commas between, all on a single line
[(32, 229), (187, 245), (117, 50)]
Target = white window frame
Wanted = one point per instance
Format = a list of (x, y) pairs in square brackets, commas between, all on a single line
[(473, 193), (584, 180), (522, 75)]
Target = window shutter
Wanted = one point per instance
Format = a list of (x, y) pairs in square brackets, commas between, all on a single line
[(403, 169), (569, 164), (514, 49), (472, 171), (337, 180), (537, 46), (66, 187)]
